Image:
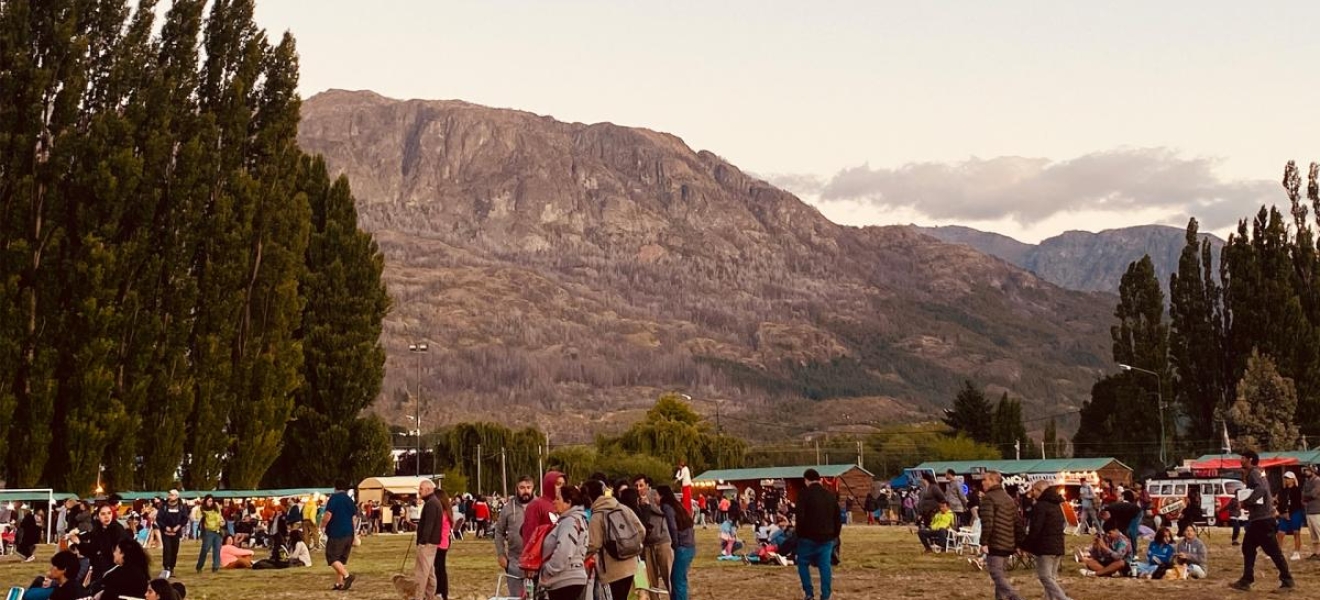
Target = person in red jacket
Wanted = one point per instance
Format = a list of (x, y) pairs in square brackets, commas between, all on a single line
[(538, 510), (481, 514)]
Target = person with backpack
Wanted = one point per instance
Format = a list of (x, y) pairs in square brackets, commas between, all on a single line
[(564, 549), (617, 535)]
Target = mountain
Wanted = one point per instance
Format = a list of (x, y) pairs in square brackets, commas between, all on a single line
[(565, 274), (1081, 260)]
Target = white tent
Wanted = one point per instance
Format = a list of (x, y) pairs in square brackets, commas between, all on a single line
[(376, 488)]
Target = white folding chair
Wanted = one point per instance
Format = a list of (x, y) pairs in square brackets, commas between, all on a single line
[(15, 593), (502, 591), (969, 539)]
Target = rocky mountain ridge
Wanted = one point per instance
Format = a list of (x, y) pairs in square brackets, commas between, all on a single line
[(1081, 260), (566, 273)]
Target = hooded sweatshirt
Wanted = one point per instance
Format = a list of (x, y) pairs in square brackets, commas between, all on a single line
[(538, 510), (565, 551)]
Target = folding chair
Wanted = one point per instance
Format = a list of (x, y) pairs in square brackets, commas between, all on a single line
[(968, 539), (502, 583), (15, 593)]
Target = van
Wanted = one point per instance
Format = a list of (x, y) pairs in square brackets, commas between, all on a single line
[(1168, 495)]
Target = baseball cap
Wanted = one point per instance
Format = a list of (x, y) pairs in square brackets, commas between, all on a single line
[(1290, 475)]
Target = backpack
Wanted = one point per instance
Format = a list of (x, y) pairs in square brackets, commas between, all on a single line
[(531, 558), (624, 538)]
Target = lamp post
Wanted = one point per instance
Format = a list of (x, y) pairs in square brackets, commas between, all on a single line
[(1159, 394), (719, 429), (418, 349)]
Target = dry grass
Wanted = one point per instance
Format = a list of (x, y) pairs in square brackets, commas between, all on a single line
[(878, 563)]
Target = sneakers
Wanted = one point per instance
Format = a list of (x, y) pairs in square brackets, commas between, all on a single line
[(1286, 587), (1241, 586), (30, 558), (1086, 572), (165, 574), (1295, 556), (348, 581)]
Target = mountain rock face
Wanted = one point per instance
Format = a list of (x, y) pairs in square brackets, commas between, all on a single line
[(1081, 260), (566, 274)]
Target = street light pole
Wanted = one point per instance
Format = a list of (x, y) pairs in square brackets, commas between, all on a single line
[(418, 349), (1159, 395)]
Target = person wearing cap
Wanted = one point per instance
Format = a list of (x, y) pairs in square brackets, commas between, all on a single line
[(1261, 528), (1311, 497), (818, 526), (1292, 513)]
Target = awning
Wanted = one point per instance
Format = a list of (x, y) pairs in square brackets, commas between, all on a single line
[(1233, 463)]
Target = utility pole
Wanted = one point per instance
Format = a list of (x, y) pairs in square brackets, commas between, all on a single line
[(418, 349), (478, 468), (504, 473), (1042, 449), (1017, 449), (818, 452), (860, 462)]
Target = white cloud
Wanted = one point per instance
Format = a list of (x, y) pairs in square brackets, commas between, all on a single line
[(1028, 193)]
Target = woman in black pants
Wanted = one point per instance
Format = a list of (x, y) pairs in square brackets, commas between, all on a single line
[(446, 531)]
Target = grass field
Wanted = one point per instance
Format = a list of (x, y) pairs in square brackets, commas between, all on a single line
[(879, 563)]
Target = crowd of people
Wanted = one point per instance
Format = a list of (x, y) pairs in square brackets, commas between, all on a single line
[(609, 534)]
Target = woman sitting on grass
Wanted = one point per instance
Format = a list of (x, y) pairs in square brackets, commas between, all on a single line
[(300, 552), (1159, 556), (233, 557), (129, 576)]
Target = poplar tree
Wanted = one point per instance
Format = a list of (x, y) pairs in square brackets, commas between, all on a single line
[(1122, 418), (1196, 346), (1007, 431), (343, 361)]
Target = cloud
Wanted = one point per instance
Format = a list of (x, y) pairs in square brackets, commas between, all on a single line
[(1030, 190)]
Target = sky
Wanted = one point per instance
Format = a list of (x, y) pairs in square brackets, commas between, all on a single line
[(1025, 118)]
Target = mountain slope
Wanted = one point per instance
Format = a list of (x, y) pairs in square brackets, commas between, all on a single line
[(564, 272), (1081, 260)]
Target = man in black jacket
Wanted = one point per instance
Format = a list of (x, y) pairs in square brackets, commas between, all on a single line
[(429, 529), (1045, 537), (173, 517), (818, 525)]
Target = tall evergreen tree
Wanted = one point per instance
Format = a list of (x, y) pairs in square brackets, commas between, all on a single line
[(343, 361), (1007, 432), (1122, 418), (1196, 345), (971, 414)]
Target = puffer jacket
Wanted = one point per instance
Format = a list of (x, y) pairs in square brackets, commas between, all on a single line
[(1045, 535), (1002, 528)]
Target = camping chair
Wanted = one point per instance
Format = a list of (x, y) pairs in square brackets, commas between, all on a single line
[(15, 593), (967, 539)]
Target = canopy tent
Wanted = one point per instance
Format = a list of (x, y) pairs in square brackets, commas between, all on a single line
[(31, 496), (1230, 462), (376, 488)]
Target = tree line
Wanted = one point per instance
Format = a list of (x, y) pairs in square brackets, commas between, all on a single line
[(1233, 355), (185, 295)]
